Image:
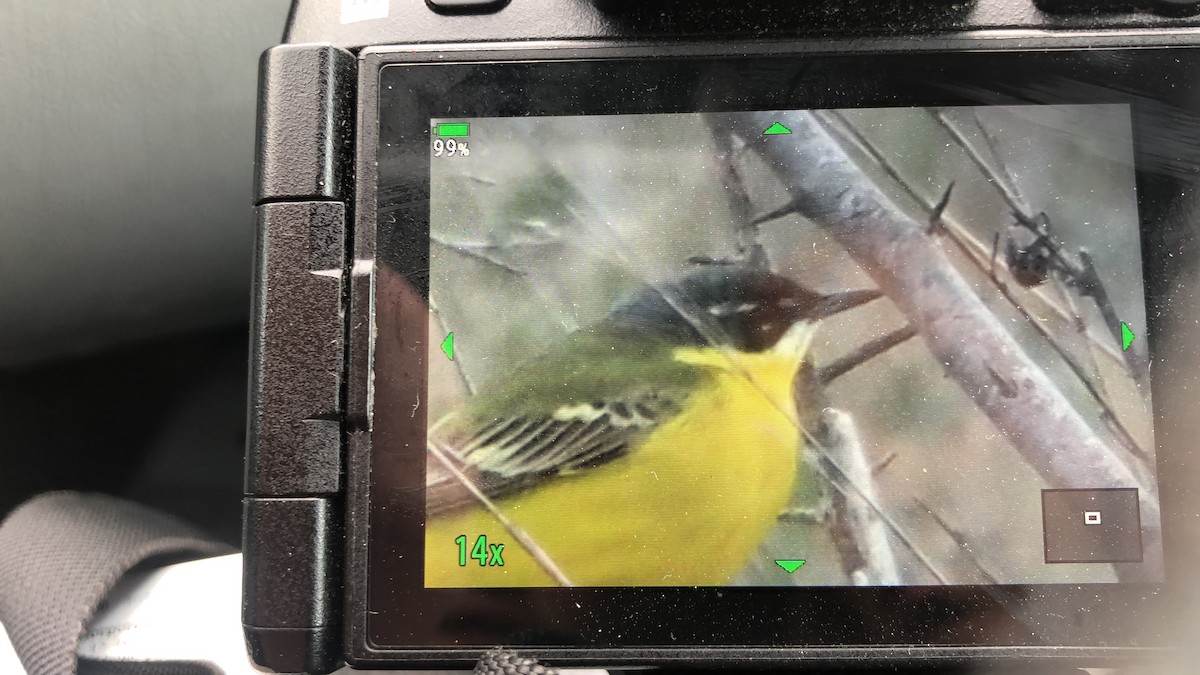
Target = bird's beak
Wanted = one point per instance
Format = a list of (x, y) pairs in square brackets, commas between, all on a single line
[(836, 303)]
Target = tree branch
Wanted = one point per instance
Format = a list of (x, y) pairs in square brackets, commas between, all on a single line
[(729, 148), (859, 535), (972, 251), (968, 340), (1082, 275), (972, 248)]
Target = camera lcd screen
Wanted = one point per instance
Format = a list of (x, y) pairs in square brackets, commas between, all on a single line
[(664, 351), (768, 351)]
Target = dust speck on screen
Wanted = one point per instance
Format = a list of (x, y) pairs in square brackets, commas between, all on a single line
[(897, 346)]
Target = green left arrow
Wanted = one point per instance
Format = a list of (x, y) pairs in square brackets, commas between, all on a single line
[(448, 346), (1127, 336)]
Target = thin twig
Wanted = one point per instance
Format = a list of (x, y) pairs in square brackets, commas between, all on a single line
[(1108, 413), (789, 208), (935, 214), (865, 352), (1089, 355), (482, 180), (975, 250), (884, 463), (522, 538), (1006, 191), (994, 147), (961, 540), (1090, 284), (970, 249), (1081, 275), (709, 260), (1085, 277), (477, 252)]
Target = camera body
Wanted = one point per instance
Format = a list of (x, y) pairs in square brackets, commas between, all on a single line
[(309, 593)]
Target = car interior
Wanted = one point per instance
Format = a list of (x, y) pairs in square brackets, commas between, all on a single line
[(539, 336)]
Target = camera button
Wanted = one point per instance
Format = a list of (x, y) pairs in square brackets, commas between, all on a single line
[(466, 6)]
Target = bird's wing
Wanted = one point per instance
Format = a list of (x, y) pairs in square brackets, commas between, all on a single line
[(508, 454)]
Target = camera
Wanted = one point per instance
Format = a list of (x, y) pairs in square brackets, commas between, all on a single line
[(699, 334)]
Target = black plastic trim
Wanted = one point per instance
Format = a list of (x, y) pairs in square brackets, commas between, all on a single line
[(868, 22), (294, 443), (305, 123), (292, 521), (292, 583)]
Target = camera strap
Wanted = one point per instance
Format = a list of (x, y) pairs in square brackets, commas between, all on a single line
[(508, 662), (60, 555)]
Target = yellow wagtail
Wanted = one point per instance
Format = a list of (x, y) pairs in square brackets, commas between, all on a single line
[(655, 448)]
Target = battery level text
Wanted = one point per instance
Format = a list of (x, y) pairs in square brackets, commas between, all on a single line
[(450, 148)]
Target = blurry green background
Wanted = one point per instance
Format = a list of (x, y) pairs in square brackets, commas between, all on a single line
[(547, 221)]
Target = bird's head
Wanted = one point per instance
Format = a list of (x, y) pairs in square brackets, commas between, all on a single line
[(749, 309)]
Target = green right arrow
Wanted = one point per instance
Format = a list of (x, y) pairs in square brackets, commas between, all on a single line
[(790, 565), (1126, 336)]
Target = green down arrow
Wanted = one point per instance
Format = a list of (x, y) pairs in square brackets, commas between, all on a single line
[(790, 565)]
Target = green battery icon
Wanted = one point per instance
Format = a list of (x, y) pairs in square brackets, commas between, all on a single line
[(453, 130)]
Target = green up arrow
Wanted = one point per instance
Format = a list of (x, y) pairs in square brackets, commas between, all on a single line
[(448, 346), (790, 565), (776, 129), (1126, 336)]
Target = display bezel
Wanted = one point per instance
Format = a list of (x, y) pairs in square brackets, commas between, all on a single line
[(393, 618)]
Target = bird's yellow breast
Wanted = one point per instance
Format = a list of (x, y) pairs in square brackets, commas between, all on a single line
[(689, 506)]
